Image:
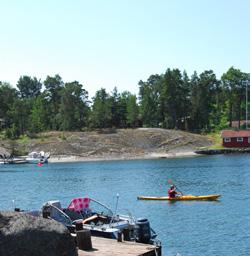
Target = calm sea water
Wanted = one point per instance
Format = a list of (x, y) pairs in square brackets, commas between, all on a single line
[(185, 228)]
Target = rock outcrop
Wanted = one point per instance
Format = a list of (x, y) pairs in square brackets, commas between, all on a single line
[(26, 235), (110, 143)]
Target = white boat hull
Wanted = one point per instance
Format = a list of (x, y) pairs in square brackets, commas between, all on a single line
[(35, 157)]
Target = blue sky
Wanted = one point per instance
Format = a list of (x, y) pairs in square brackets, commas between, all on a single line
[(108, 43)]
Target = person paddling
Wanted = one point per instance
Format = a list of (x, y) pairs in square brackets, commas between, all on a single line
[(172, 193)]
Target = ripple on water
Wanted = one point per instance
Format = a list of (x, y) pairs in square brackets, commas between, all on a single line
[(185, 228)]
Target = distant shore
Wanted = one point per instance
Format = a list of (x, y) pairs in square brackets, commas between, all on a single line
[(110, 144), (72, 158)]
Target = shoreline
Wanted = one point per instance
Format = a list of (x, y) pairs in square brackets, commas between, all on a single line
[(72, 158)]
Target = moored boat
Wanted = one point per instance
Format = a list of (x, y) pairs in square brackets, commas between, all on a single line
[(38, 157), (100, 220), (180, 198), (13, 160)]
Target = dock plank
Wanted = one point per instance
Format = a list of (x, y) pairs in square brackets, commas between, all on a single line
[(105, 246)]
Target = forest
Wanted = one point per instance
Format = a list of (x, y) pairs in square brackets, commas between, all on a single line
[(200, 103)]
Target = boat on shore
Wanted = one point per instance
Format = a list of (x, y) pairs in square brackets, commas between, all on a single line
[(181, 198), (13, 160), (38, 157), (33, 157), (99, 219)]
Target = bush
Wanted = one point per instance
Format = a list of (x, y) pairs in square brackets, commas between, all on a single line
[(12, 133), (62, 136)]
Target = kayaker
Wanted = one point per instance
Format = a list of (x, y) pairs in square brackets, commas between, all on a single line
[(172, 193)]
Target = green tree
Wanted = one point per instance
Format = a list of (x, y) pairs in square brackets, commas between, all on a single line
[(185, 102), (219, 110), (122, 109), (233, 84), (101, 114), (52, 94), (119, 108), (29, 87), (37, 116), (73, 110), (132, 111), (149, 96), (20, 115), (115, 108), (8, 96), (171, 98), (202, 99)]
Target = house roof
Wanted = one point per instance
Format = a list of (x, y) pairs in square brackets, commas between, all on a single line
[(235, 134), (235, 124)]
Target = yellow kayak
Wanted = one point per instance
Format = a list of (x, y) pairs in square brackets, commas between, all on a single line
[(179, 198)]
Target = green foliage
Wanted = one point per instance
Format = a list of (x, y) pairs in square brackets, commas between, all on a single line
[(149, 95), (132, 111), (202, 99), (172, 100), (234, 87), (101, 114), (52, 95), (62, 136), (29, 87), (12, 132), (73, 109), (37, 116), (23, 138), (2, 135), (223, 124), (215, 137), (8, 96)]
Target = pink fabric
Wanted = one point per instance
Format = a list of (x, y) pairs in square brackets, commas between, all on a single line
[(78, 204)]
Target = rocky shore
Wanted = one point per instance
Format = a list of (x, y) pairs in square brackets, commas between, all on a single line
[(23, 234), (64, 158), (110, 144)]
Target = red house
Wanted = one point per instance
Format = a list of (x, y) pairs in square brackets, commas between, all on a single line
[(236, 139), (235, 124)]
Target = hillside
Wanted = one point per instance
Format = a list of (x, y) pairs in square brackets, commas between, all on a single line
[(110, 144)]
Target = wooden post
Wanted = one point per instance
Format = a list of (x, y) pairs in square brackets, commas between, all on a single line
[(46, 212), (119, 237), (83, 239), (79, 226)]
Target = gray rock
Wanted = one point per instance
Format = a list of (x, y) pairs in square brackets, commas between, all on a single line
[(4, 153), (26, 235)]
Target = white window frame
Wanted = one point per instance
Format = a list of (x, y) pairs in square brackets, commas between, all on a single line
[(239, 139), (227, 139)]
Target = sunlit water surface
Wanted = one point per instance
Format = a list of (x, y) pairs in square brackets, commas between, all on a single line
[(185, 228)]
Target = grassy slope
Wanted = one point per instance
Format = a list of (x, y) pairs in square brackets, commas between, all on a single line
[(216, 140)]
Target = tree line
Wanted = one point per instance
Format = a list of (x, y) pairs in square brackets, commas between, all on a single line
[(172, 100)]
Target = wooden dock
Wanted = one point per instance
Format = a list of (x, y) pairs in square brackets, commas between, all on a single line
[(222, 151), (107, 247)]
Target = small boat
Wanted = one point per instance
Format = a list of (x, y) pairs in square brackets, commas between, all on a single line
[(13, 160), (16, 161), (38, 157), (180, 198), (99, 219)]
